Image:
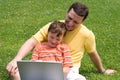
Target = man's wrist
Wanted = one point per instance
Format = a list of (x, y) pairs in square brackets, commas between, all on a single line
[(103, 71)]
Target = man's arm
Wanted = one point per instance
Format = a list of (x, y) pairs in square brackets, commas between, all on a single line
[(98, 64), (26, 48), (23, 51)]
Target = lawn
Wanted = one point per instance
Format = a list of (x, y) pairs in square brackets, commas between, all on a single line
[(20, 19)]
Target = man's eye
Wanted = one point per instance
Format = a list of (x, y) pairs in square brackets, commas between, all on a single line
[(70, 18), (76, 22)]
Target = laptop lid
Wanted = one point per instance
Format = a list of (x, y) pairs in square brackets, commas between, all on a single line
[(38, 70)]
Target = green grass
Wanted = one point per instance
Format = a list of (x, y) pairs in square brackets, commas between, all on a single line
[(20, 19)]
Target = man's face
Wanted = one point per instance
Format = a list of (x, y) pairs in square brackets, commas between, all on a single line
[(72, 20)]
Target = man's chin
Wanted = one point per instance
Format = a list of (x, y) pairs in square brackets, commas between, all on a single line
[(69, 29)]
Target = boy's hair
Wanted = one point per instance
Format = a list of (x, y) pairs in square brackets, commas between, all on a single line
[(58, 28), (80, 9)]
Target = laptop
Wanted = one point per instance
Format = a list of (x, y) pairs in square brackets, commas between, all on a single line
[(40, 70)]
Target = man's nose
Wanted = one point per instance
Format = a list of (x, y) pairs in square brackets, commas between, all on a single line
[(71, 22)]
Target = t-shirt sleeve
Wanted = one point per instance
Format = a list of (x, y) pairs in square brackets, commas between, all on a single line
[(41, 35), (67, 61), (35, 53), (90, 44)]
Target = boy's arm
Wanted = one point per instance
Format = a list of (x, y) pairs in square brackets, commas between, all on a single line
[(35, 53), (67, 62)]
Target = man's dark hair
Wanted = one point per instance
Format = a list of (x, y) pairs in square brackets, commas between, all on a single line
[(80, 9)]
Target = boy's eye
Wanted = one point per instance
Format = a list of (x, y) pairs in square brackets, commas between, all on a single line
[(58, 39), (52, 37)]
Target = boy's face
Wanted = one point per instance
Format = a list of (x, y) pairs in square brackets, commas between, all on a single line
[(72, 20), (53, 39)]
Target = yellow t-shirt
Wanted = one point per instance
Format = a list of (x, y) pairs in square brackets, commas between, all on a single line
[(78, 40)]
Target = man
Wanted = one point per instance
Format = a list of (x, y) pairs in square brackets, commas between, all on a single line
[(78, 37)]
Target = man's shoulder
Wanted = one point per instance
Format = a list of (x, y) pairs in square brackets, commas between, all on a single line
[(86, 31), (85, 28)]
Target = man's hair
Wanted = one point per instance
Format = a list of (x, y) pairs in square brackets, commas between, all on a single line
[(58, 28), (80, 9)]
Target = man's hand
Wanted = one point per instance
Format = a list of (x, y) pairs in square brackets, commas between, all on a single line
[(109, 71), (12, 68), (97, 62)]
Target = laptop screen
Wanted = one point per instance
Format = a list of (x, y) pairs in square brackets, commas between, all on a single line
[(38, 70)]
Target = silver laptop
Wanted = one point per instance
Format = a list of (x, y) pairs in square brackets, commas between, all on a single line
[(38, 70)]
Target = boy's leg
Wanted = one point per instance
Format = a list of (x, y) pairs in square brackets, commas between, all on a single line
[(74, 74)]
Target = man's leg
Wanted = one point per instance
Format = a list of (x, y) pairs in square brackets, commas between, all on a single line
[(74, 75)]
